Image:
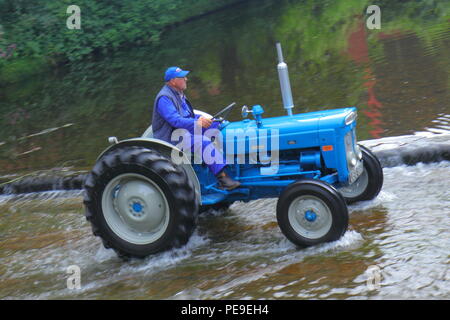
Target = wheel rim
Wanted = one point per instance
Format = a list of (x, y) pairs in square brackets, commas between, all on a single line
[(310, 217), (135, 208), (356, 188)]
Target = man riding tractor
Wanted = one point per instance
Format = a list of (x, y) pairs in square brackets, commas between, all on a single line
[(172, 110)]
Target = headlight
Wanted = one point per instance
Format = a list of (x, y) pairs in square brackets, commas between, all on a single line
[(353, 161), (350, 118), (358, 152), (351, 158)]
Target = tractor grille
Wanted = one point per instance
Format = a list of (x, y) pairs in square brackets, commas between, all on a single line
[(350, 142), (354, 165)]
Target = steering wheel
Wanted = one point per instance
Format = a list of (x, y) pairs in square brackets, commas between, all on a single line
[(222, 114)]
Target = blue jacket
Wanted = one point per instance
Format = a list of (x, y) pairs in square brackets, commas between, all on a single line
[(171, 111)]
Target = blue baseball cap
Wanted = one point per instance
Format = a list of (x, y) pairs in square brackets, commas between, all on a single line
[(174, 72)]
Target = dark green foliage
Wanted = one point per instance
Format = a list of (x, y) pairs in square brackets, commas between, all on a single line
[(38, 27), (232, 57)]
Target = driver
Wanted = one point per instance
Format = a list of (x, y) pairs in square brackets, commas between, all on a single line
[(172, 110)]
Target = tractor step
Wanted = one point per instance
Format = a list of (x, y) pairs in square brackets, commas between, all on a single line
[(221, 195), (213, 198)]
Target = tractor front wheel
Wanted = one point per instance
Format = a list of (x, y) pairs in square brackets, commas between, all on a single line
[(310, 212), (369, 183)]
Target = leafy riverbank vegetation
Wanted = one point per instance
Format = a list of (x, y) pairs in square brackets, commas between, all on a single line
[(334, 61), (34, 34)]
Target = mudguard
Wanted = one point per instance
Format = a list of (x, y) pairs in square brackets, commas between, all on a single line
[(165, 149)]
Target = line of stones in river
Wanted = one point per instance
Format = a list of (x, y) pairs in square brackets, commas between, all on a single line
[(391, 151)]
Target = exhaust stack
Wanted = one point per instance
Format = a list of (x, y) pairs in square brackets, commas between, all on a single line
[(285, 84)]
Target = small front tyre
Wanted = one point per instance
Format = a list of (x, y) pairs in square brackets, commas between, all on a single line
[(310, 212), (369, 183)]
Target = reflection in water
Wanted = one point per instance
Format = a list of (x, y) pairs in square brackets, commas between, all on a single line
[(414, 82), (442, 124), (397, 77), (359, 52)]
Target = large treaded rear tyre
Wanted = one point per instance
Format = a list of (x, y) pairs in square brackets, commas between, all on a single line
[(310, 212), (139, 203)]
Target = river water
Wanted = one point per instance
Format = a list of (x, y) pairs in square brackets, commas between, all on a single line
[(396, 245)]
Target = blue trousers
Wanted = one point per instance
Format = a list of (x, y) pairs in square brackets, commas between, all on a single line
[(213, 158)]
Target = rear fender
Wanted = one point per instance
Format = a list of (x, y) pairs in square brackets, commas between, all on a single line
[(166, 150)]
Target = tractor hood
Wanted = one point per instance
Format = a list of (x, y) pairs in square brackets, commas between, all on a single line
[(311, 121), (305, 130)]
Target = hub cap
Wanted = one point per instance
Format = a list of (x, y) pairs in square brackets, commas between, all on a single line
[(135, 208), (310, 217)]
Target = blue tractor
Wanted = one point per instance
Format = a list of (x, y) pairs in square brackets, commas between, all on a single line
[(140, 201)]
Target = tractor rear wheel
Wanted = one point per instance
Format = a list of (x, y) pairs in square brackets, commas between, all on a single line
[(139, 203), (310, 212)]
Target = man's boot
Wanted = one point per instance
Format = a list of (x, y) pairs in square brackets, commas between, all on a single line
[(226, 183)]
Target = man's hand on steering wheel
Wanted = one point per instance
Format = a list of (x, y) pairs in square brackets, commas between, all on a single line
[(204, 122)]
